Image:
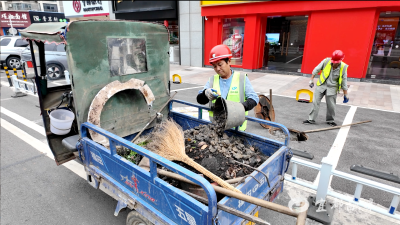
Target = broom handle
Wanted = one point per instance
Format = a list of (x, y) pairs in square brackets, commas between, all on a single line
[(151, 120), (210, 175), (331, 128), (301, 217)]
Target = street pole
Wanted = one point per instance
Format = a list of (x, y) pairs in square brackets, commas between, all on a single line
[(11, 26)]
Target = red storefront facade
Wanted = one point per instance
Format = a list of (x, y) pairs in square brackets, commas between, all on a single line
[(350, 26)]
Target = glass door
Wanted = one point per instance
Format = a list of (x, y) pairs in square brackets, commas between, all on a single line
[(384, 61), (284, 43)]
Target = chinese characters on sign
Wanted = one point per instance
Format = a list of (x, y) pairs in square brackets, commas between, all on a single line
[(18, 19), (98, 5), (46, 17)]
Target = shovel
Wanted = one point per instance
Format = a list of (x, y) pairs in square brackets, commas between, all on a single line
[(301, 135)]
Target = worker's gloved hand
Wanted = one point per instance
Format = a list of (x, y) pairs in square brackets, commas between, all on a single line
[(311, 83), (211, 94), (345, 99)]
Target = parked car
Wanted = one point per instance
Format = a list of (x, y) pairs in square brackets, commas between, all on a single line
[(11, 47), (56, 60)]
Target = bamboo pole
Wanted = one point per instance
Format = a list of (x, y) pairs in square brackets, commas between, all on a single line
[(265, 204), (336, 127), (229, 210)]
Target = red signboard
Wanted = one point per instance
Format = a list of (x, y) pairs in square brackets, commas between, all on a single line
[(18, 19)]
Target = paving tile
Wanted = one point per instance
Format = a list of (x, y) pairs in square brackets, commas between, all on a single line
[(372, 95)]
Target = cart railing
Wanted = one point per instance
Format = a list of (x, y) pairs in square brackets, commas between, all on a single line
[(154, 159), (326, 171)]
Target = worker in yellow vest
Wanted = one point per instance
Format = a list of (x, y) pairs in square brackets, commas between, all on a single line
[(333, 78), (231, 85)]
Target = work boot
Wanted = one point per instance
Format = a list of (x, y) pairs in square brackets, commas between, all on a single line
[(333, 124), (308, 121)]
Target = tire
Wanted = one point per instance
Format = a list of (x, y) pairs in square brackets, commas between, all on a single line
[(135, 218), (14, 61), (54, 71)]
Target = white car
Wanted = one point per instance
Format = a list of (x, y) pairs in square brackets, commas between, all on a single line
[(11, 48)]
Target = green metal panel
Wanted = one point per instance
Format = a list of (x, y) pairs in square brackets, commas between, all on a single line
[(88, 59)]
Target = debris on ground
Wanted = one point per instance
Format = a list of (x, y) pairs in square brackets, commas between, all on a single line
[(279, 135)]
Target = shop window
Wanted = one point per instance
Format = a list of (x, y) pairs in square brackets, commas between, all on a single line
[(50, 7), (20, 6), (232, 36), (127, 56), (385, 55)]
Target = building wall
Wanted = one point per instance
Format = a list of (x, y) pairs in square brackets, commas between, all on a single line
[(190, 33), (331, 30), (36, 5), (349, 26)]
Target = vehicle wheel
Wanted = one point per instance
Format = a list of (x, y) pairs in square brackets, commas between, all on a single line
[(54, 71), (135, 218), (14, 61)]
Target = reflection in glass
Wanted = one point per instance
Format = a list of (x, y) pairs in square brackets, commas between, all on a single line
[(284, 43), (127, 55), (385, 54), (232, 36)]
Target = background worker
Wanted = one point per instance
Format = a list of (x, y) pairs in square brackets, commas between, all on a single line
[(232, 85), (333, 78)]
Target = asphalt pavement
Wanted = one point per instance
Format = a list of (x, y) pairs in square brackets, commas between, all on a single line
[(34, 190)]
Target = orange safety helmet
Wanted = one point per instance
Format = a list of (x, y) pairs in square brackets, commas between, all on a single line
[(220, 52), (337, 56)]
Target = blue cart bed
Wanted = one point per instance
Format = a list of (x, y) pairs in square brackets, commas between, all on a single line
[(162, 203)]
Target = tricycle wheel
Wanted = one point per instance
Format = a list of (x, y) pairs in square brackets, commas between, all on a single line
[(135, 218)]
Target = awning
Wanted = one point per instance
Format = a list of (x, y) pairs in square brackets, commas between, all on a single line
[(45, 32)]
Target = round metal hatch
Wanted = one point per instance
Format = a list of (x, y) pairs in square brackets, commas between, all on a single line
[(264, 110)]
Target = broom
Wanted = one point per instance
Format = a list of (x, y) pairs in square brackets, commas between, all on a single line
[(169, 142)]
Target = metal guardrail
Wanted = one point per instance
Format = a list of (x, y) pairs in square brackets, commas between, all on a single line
[(21, 87), (326, 171)]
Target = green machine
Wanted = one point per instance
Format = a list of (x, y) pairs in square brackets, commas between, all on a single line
[(119, 72)]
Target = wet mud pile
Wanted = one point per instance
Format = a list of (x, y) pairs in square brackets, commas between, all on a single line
[(212, 148)]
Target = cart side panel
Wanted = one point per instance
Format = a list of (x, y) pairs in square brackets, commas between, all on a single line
[(170, 202), (273, 168)]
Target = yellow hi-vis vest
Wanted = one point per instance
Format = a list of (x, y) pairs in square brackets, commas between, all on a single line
[(327, 71), (236, 92)]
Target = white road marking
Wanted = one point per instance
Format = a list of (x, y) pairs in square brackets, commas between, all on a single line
[(187, 88), (24, 121), (337, 147), (5, 99), (42, 147)]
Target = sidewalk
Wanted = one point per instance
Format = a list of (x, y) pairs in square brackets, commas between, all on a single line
[(362, 94)]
